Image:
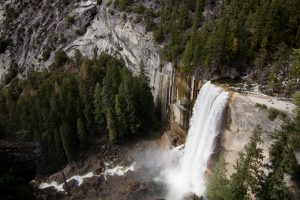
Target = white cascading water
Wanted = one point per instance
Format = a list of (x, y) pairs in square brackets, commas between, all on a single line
[(188, 175)]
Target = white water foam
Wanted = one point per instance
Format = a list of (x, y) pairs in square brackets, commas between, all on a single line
[(187, 176), (115, 171)]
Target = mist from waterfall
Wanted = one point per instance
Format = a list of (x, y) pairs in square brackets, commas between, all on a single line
[(188, 175)]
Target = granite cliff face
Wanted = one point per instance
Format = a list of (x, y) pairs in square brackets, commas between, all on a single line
[(82, 25), (242, 117)]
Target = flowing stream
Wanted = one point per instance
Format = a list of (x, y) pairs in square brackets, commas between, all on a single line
[(189, 174)]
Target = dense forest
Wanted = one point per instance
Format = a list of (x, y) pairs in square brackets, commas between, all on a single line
[(210, 37), (64, 108), (78, 99), (253, 177), (213, 38), (206, 36)]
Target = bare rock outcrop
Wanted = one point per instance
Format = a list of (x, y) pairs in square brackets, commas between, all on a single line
[(243, 116)]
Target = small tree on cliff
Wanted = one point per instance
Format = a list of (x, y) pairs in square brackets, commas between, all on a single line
[(218, 185), (249, 175), (144, 99)]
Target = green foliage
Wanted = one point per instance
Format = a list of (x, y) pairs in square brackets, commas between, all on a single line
[(282, 162), (297, 103), (112, 126), (127, 102), (274, 113), (295, 71), (140, 9), (82, 133), (70, 20), (250, 178), (46, 54), (123, 4), (159, 34), (249, 175), (98, 110), (68, 141), (262, 106), (63, 108), (60, 58), (244, 35), (12, 73), (150, 25), (80, 32), (217, 186), (275, 186)]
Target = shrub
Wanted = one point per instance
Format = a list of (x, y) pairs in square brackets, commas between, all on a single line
[(140, 9), (62, 38), (70, 20), (46, 54), (80, 32), (60, 58), (262, 106), (273, 113), (12, 73), (150, 25), (159, 34), (123, 5)]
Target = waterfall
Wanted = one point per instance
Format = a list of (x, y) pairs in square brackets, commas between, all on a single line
[(188, 175)]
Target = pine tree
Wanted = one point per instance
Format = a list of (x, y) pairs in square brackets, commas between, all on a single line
[(84, 71), (249, 174), (97, 101), (110, 87), (60, 58), (295, 69), (126, 106), (143, 99), (217, 187), (77, 57), (112, 126), (82, 135), (68, 141), (59, 149), (87, 108), (275, 186), (261, 58)]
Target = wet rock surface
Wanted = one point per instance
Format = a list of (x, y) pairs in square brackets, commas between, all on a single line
[(133, 185)]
